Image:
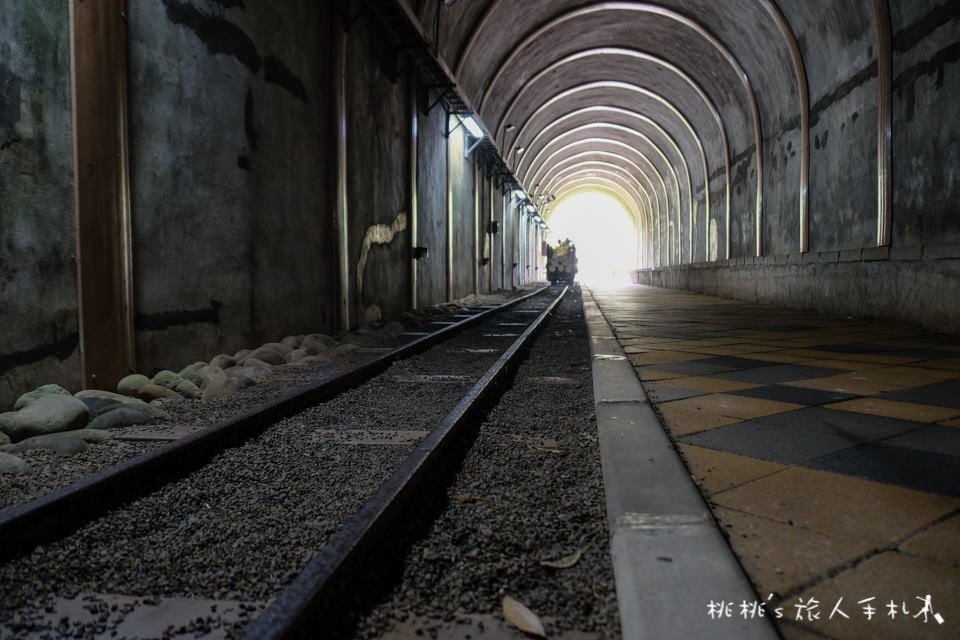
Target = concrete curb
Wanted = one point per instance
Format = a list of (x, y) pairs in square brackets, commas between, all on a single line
[(670, 559)]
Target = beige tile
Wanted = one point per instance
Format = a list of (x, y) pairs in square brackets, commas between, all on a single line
[(682, 421), (917, 375), (892, 409), (946, 364), (718, 471), (938, 543), (889, 576), (662, 357), (713, 385), (735, 406), (838, 505), (847, 365), (780, 558), (863, 383)]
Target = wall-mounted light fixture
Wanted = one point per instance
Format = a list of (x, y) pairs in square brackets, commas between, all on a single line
[(473, 127), (494, 227), (475, 131)]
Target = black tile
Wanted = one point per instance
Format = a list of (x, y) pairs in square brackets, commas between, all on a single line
[(940, 394), (854, 427), (910, 468), (935, 439), (853, 347), (777, 373), (733, 362), (886, 350), (771, 442), (796, 395), (688, 368)]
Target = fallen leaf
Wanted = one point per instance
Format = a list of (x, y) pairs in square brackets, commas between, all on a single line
[(564, 563), (559, 452), (463, 498), (522, 618)]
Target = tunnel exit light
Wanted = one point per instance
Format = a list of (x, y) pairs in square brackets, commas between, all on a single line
[(604, 234)]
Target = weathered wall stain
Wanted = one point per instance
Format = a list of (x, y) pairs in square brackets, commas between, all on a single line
[(219, 35), (62, 349), (911, 36), (164, 319), (9, 97), (248, 125), (905, 81), (378, 234), (275, 71)]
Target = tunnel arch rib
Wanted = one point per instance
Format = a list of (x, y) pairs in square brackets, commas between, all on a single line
[(661, 11)]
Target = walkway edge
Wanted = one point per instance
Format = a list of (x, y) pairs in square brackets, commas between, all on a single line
[(670, 559)]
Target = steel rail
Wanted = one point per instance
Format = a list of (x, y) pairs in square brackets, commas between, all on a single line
[(357, 562), (64, 510)]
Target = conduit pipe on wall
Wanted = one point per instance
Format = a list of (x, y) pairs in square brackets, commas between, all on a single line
[(413, 184), (881, 12), (341, 220), (98, 70)]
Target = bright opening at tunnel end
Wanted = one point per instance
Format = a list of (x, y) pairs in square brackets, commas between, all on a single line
[(603, 232)]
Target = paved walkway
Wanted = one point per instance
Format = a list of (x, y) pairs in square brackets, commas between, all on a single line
[(827, 449)]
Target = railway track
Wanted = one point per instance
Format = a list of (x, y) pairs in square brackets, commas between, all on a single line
[(235, 512)]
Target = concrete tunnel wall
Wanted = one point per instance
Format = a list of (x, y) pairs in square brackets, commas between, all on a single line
[(233, 166), (915, 278), (229, 182), (39, 329)]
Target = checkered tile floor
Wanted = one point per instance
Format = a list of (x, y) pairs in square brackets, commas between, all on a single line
[(829, 450)]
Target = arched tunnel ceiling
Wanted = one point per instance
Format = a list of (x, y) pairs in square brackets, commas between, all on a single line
[(708, 85)]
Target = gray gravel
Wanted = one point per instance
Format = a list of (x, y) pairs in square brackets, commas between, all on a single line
[(243, 526), (52, 472), (531, 489)]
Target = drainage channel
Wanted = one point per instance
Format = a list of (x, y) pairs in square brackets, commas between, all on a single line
[(225, 539)]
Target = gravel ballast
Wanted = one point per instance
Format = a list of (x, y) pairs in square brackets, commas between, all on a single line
[(50, 471), (531, 491), (240, 528)]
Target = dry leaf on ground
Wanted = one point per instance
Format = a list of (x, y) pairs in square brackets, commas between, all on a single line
[(564, 563), (522, 618), (559, 452)]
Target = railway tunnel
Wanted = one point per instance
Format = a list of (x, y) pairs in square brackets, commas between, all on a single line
[(774, 378)]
